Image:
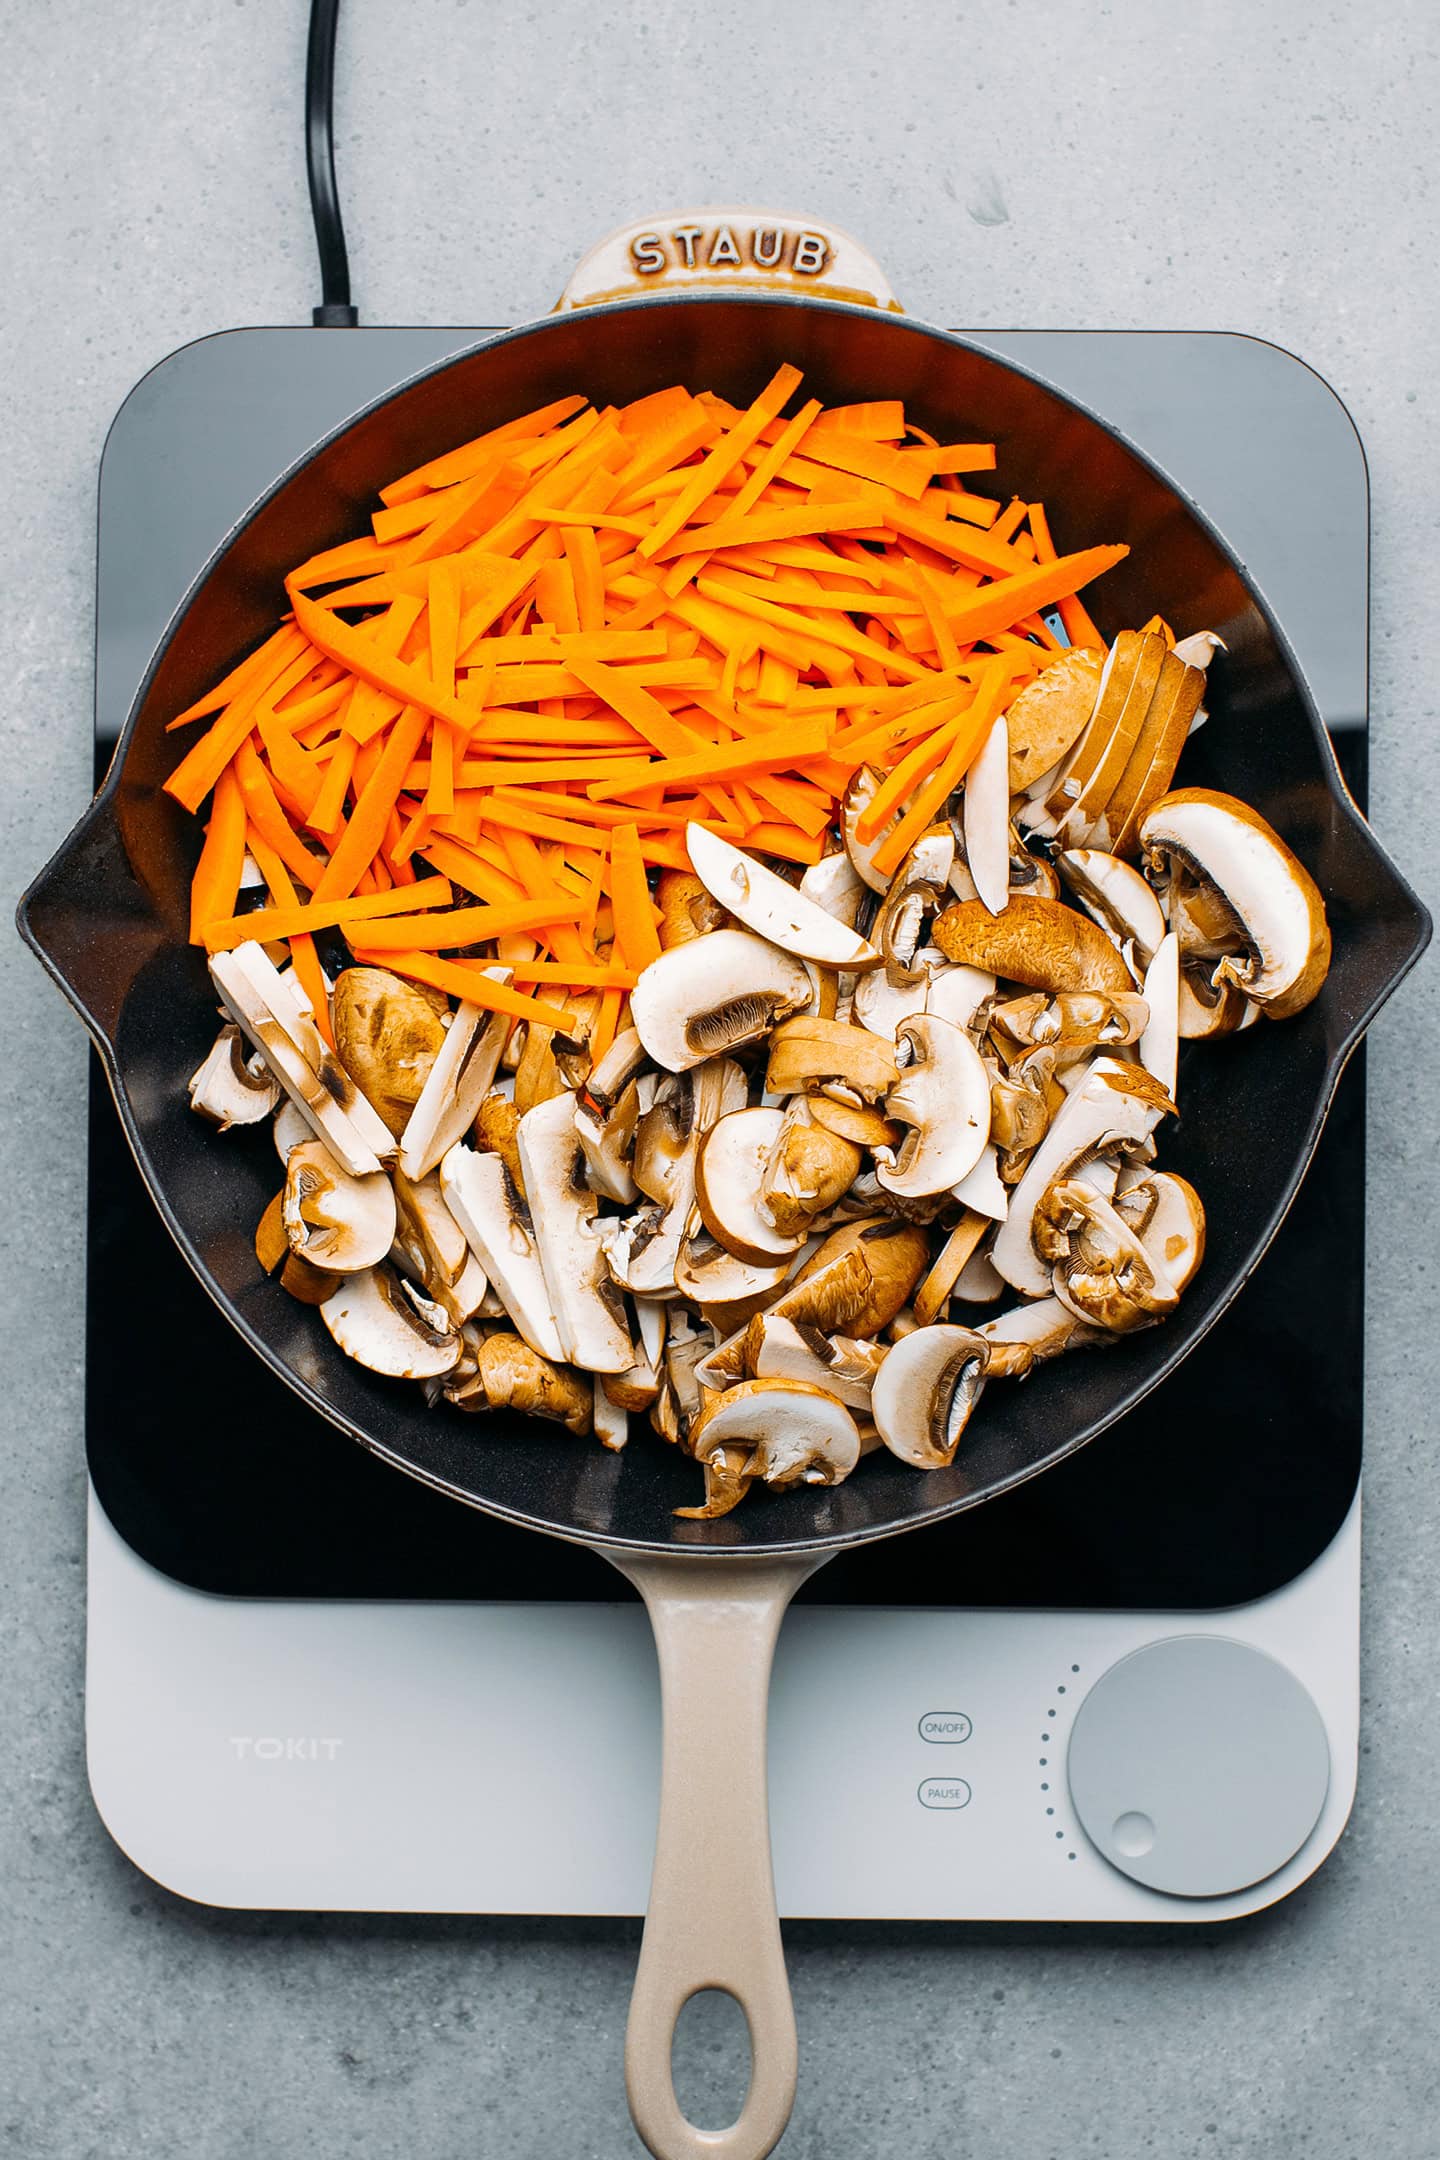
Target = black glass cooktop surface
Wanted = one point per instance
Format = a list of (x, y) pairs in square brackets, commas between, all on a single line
[(1227, 1481)]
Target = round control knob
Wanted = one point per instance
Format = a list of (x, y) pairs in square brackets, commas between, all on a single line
[(1198, 1765)]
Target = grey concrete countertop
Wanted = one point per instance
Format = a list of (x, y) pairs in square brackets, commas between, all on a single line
[(1260, 165)]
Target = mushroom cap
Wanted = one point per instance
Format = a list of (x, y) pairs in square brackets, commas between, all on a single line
[(933, 1294), (380, 1323), (710, 1275), (808, 1169), (1268, 888), (913, 895), (943, 1095), (856, 1122), (709, 996), (1047, 716), (765, 904), (836, 885), (845, 1368), (925, 1391), (387, 1037), (1100, 1268), (224, 1089), (799, 1433), (808, 1053), (1041, 943), (728, 1178), (337, 1222), (687, 910), (985, 811), (859, 1278), (1115, 895)]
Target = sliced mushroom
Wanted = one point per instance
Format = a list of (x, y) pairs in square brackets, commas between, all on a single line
[(387, 1037), (933, 1293), (986, 813), (925, 1391), (1099, 1267), (1204, 1009), (1030, 1334), (687, 910), (1160, 1043), (272, 1244), (1048, 715), (807, 1169), (455, 1086), (290, 1128), (843, 1366), (983, 1189), (1039, 942), (916, 891), (641, 1251), (589, 1311), (1150, 767), (430, 1245), (1200, 648), (1166, 1214), (1022, 1104), (809, 1054), (978, 1283), (706, 998), (1074, 1022), (858, 1279), (484, 1199), (856, 1122), (462, 1300), (607, 1109), (497, 1122), (858, 797), (512, 1376), (959, 994), (273, 1016), (1083, 781), (1224, 842), (729, 1473), (226, 1089), (310, 1285), (610, 1423), (774, 910), (837, 886), (1113, 1110), (381, 1322), (1117, 897), (943, 1096), (728, 1291), (800, 1435), (337, 1222)]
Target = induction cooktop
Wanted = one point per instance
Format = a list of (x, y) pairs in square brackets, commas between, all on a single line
[(239, 1544)]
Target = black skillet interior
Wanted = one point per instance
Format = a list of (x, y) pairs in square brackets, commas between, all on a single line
[(109, 914)]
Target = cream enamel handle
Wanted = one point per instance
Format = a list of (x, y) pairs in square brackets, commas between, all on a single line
[(712, 1921), (728, 250)]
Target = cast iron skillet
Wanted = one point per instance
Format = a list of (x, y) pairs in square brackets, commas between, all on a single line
[(108, 918)]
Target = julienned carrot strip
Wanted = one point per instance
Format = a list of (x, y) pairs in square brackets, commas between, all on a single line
[(465, 868), (587, 576), (279, 647), (996, 607), (801, 520), (267, 818), (445, 929), (216, 884), (786, 443), (468, 981), (723, 459), (203, 763), (576, 974), (353, 558), (928, 798), (906, 472), (836, 633), (635, 932), (459, 464), (877, 420), (607, 1023), (364, 657), (277, 922), (363, 834), (634, 703), (926, 754), (776, 750), (965, 457)]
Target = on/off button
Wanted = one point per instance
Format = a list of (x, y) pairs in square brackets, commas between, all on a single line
[(945, 1728)]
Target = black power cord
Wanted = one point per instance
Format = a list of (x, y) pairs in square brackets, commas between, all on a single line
[(335, 311)]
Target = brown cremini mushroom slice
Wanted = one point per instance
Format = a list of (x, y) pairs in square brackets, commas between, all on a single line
[(1048, 715), (1030, 1334), (770, 908), (933, 1293), (1167, 1215), (1230, 847), (457, 1083), (1150, 767), (917, 890), (844, 1366), (1112, 1111), (729, 1174), (310, 1285), (589, 1311), (943, 1096), (810, 1054), (729, 1474), (641, 1249), (489, 1207), (1099, 1267), (1085, 777), (387, 1037), (855, 1122), (710, 996), (227, 1089), (273, 1015), (1041, 943), (607, 1110), (609, 1421), (687, 910), (808, 1168), (512, 1376), (1115, 895), (384, 1324), (800, 1435), (978, 1283), (272, 1246), (430, 1245), (1204, 1009), (341, 1223), (291, 1126), (925, 1391), (985, 813), (727, 1290), (858, 1279), (497, 1122)]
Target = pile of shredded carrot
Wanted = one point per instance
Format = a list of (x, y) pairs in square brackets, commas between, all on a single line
[(485, 722)]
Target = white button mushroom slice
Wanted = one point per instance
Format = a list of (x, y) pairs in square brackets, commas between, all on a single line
[(641, 1250), (430, 1245), (835, 885), (858, 797), (799, 1433), (934, 1290), (917, 890), (1276, 901), (978, 1283), (880, 1004), (335, 1221), (713, 994), (1029, 1334), (1160, 1044), (711, 1276), (456, 1084), (958, 993), (377, 1320), (464, 1297), (1099, 1267), (589, 1311), (728, 1177), (983, 1188), (925, 1391), (227, 1089), (774, 910), (986, 814), (481, 1195), (943, 1095), (1200, 648), (607, 1109), (1117, 897), (611, 1423), (290, 1128), (839, 1364), (1111, 1111), (257, 996)]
